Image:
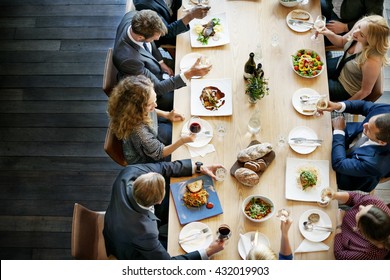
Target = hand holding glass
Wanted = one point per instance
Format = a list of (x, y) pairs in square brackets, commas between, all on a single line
[(319, 25), (326, 197), (194, 125)]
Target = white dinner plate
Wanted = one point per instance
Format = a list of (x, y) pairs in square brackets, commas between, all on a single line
[(315, 235), (224, 85), (222, 38), (202, 242), (305, 132), (294, 190), (244, 243), (299, 28), (201, 139), (296, 101), (188, 60)]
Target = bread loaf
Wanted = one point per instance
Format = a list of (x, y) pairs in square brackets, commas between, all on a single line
[(246, 177), (263, 165), (300, 15), (254, 152), (252, 165)]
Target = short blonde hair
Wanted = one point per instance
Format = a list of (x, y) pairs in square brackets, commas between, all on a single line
[(261, 252), (149, 189)]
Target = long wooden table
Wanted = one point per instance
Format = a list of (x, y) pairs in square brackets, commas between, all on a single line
[(251, 23)]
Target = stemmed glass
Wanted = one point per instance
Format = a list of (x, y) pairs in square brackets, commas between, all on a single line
[(321, 104), (319, 25)]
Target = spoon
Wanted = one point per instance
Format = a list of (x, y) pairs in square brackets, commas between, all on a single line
[(310, 227)]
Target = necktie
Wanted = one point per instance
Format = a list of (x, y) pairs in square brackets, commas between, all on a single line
[(146, 47), (358, 143)]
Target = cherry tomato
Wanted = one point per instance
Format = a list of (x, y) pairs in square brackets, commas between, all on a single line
[(319, 67), (296, 68)]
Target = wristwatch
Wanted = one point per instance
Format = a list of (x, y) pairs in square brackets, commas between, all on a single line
[(198, 165)]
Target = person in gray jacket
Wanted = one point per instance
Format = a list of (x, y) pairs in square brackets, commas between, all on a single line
[(131, 229), (135, 53)]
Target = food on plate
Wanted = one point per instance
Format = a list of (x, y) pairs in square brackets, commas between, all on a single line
[(208, 30), (212, 98), (301, 15), (254, 152), (307, 63), (308, 177), (195, 186), (196, 195), (309, 107), (247, 177), (257, 208)]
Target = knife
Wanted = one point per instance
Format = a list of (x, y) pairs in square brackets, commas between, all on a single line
[(306, 139), (301, 22)]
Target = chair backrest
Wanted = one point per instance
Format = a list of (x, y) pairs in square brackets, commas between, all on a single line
[(87, 234), (110, 74), (114, 148), (377, 90), (130, 6)]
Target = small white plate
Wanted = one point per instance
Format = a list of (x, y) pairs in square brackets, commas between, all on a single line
[(294, 190), (188, 60), (315, 235), (244, 243), (202, 242), (201, 139), (296, 101), (224, 85), (305, 132), (223, 36), (299, 28)]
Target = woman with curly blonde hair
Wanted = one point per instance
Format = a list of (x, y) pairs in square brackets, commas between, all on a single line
[(133, 119), (353, 75)]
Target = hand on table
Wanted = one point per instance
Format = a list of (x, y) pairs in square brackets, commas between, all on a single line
[(338, 123), (210, 170)]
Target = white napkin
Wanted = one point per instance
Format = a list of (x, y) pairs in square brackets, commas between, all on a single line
[(201, 151), (306, 144), (310, 246), (246, 243)]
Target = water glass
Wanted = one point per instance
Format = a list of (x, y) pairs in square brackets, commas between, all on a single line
[(254, 124), (220, 130), (274, 40), (220, 174), (326, 197), (283, 214)]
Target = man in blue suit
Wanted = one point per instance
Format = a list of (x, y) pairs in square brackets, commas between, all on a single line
[(135, 53), (131, 221), (167, 10), (361, 151)]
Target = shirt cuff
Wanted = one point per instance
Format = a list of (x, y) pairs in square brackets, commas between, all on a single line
[(342, 108), (203, 254), (338, 131), (183, 77), (193, 167)]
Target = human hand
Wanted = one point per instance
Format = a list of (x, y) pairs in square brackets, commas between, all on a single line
[(338, 123), (175, 117), (198, 69), (188, 138), (337, 27), (285, 226), (215, 247), (166, 69), (199, 11), (210, 170)]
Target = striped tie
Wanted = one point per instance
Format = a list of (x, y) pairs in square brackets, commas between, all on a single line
[(146, 47)]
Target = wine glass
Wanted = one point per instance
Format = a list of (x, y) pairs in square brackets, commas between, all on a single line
[(224, 232), (326, 197), (283, 214), (194, 125), (319, 25), (321, 104)]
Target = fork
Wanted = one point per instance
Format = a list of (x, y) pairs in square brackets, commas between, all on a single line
[(194, 235)]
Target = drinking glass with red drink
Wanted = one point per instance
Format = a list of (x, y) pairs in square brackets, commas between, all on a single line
[(194, 125)]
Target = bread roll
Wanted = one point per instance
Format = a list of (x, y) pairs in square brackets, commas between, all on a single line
[(263, 165), (247, 177), (254, 152), (300, 15), (252, 165)]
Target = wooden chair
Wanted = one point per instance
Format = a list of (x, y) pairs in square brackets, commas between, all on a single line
[(87, 234), (110, 74), (114, 148)]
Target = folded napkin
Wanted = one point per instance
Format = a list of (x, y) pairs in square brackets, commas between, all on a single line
[(201, 151), (246, 244), (305, 144), (310, 246)]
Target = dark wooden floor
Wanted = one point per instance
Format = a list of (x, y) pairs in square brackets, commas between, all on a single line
[(52, 120)]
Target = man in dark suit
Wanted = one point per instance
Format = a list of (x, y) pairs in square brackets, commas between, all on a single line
[(131, 223), (361, 151), (135, 53), (168, 15), (348, 12)]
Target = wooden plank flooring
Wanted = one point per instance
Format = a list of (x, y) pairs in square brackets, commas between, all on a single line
[(52, 120)]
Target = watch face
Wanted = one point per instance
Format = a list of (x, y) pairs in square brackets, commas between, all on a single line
[(198, 165)]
